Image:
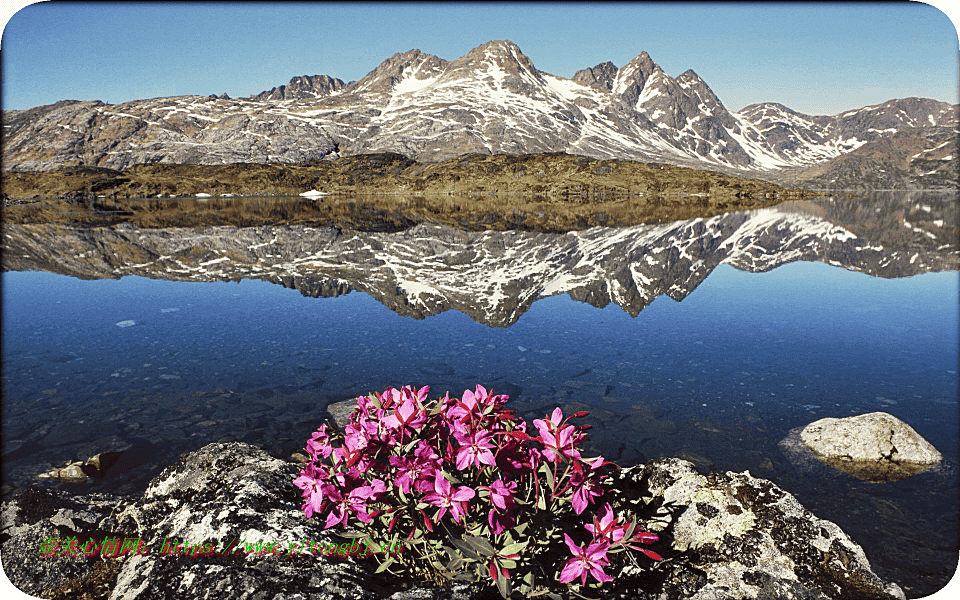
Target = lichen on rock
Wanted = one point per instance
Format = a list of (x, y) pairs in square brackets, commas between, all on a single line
[(723, 536)]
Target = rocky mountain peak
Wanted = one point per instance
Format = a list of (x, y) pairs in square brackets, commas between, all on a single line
[(601, 75), (500, 62), (305, 87), (395, 69), (632, 78), (696, 87)]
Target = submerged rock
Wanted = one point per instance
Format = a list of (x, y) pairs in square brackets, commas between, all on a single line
[(723, 536), (874, 447)]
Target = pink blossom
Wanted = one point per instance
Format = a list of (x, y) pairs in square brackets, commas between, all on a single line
[(585, 484), (449, 499), (606, 527), (472, 403), (416, 472), (319, 443), (474, 450), (500, 521), (311, 480), (355, 502), (501, 494), (557, 440), (591, 559), (560, 444), (407, 416)]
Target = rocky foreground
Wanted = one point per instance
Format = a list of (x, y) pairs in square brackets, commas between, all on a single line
[(725, 535)]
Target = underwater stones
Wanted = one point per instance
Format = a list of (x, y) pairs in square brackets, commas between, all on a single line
[(340, 411), (873, 447), (70, 473), (82, 471)]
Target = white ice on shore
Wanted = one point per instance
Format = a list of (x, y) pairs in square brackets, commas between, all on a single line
[(314, 194)]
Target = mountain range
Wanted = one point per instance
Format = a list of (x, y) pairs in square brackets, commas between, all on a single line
[(493, 100)]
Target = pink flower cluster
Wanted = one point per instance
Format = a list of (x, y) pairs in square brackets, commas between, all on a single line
[(404, 464)]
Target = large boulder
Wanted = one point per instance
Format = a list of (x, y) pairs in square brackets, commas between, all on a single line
[(724, 536), (874, 447), (745, 538)]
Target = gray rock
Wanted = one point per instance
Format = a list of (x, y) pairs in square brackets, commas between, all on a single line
[(722, 535), (872, 447), (748, 538)]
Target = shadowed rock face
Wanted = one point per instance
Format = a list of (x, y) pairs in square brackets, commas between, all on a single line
[(874, 447), (724, 535)]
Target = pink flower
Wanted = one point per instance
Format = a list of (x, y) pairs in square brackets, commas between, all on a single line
[(560, 444), (319, 443), (474, 449), (585, 484), (501, 494), (607, 526), (557, 440), (311, 481), (554, 421), (472, 403), (407, 416), (591, 560), (355, 502), (416, 472), (449, 499), (500, 521)]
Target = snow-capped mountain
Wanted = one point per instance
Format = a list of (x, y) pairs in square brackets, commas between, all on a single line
[(492, 100), (495, 276)]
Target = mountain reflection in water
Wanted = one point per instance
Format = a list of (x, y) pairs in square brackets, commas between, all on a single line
[(718, 378), (494, 276)]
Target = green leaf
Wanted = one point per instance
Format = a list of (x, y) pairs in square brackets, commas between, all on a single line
[(373, 398), (513, 548), (503, 585), (450, 477), (482, 546), (352, 534), (521, 527), (385, 565), (466, 548), (629, 531), (508, 564), (545, 467)]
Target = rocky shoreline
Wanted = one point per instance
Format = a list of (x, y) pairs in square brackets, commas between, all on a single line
[(544, 192), (727, 535)]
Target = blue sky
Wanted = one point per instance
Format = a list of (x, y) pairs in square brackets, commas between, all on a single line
[(819, 58)]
